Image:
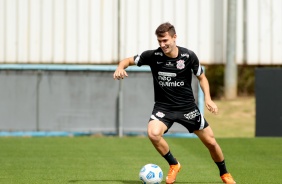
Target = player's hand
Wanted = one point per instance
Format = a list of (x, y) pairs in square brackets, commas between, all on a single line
[(120, 74), (211, 106)]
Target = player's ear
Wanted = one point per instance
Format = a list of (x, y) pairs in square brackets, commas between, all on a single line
[(174, 37)]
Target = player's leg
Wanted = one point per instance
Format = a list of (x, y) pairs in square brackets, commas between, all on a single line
[(207, 137), (156, 130)]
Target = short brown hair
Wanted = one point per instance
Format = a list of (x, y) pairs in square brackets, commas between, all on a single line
[(165, 27)]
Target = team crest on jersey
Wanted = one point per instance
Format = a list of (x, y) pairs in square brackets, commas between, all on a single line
[(180, 64), (160, 114)]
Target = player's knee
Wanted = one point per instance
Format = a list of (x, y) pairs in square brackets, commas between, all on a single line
[(211, 145), (156, 130), (154, 135)]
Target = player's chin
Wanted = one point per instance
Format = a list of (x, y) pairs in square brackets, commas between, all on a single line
[(165, 49)]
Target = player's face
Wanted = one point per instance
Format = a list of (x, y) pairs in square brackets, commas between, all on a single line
[(167, 43)]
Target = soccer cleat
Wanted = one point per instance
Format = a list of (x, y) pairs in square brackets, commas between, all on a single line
[(173, 171), (227, 178)]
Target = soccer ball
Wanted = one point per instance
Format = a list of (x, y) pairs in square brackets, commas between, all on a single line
[(151, 174)]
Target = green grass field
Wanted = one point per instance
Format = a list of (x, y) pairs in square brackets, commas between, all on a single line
[(113, 160)]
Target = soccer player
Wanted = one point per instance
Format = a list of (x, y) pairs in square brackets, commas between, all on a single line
[(172, 67)]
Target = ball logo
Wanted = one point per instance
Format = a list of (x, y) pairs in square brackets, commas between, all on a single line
[(150, 175), (180, 64)]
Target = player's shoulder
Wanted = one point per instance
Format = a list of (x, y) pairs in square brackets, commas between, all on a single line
[(155, 52), (186, 52)]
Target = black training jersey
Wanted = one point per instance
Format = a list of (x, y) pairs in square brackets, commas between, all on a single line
[(172, 76)]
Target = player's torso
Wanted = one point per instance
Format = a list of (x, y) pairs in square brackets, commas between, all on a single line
[(172, 79), (171, 72)]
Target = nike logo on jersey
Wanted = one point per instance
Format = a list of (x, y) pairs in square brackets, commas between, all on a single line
[(159, 62)]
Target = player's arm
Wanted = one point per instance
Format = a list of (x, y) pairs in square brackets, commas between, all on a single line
[(204, 83), (120, 72)]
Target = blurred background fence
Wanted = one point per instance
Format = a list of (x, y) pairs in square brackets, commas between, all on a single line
[(51, 48), (103, 31), (67, 98)]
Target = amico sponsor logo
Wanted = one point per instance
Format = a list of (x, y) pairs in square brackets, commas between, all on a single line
[(165, 80)]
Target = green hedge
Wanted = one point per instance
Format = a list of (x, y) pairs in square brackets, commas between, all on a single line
[(246, 79)]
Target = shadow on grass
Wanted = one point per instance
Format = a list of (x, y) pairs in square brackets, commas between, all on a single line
[(105, 181), (129, 181)]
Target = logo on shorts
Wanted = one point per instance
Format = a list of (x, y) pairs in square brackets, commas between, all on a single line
[(192, 115), (160, 114)]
